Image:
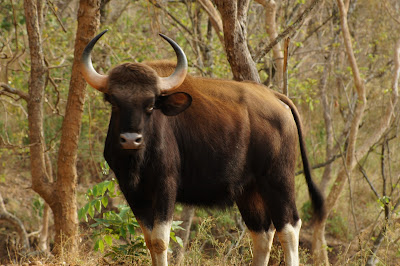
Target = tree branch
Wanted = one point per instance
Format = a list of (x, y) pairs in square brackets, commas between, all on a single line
[(154, 3), (264, 48), (14, 91), (214, 16)]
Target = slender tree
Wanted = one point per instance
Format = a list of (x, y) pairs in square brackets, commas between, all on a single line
[(353, 151), (60, 194)]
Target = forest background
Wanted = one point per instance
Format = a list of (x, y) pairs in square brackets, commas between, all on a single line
[(343, 75)]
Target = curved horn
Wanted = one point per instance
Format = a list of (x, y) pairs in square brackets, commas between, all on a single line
[(97, 81), (179, 74)]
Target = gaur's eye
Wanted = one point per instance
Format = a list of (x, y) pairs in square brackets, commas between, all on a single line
[(150, 108)]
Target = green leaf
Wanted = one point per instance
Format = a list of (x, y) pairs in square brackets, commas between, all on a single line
[(82, 214), (104, 201), (97, 205), (123, 232), (91, 209), (131, 229), (175, 226), (104, 187), (179, 241), (95, 191), (111, 188), (99, 245), (108, 240)]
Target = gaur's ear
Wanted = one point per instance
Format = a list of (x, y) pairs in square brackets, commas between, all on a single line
[(174, 103)]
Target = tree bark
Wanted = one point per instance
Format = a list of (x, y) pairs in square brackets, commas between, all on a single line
[(65, 211), (60, 195), (215, 18), (35, 103), (234, 14)]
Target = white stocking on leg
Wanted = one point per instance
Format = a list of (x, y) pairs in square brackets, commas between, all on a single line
[(289, 238), (262, 242)]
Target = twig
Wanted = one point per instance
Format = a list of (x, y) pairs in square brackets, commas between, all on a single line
[(12, 90), (332, 159), (390, 14), (51, 5), (369, 181), (171, 16), (263, 48), (236, 245), (16, 104)]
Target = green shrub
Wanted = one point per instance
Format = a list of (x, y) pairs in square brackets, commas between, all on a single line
[(116, 229)]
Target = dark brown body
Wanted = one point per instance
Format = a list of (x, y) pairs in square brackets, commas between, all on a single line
[(204, 142), (237, 142)]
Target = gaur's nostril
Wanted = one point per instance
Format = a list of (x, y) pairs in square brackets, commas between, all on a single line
[(130, 141)]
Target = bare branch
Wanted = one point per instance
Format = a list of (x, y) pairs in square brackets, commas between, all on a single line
[(369, 182), (12, 90), (214, 16), (320, 165), (387, 118), (154, 3), (385, 4), (264, 48), (53, 10)]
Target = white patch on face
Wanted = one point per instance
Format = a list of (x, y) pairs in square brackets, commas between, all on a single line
[(289, 238), (262, 242), (159, 242)]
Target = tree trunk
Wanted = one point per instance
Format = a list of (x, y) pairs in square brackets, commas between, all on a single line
[(40, 178), (60, 195), (215, 18), (234, 14), (65, 211)]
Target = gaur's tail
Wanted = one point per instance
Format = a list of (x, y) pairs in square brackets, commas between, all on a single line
[(316, 196)]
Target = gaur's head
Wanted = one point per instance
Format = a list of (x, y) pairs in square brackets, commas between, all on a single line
[(135, 90)]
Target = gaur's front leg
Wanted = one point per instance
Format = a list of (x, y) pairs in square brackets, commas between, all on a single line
[(156, 226)]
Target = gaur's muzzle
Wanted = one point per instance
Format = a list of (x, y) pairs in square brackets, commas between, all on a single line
[(131, 141)]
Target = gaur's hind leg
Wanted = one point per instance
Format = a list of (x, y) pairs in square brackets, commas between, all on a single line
[(253, 211), (262, 242), (289, 238), (280, 197)]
